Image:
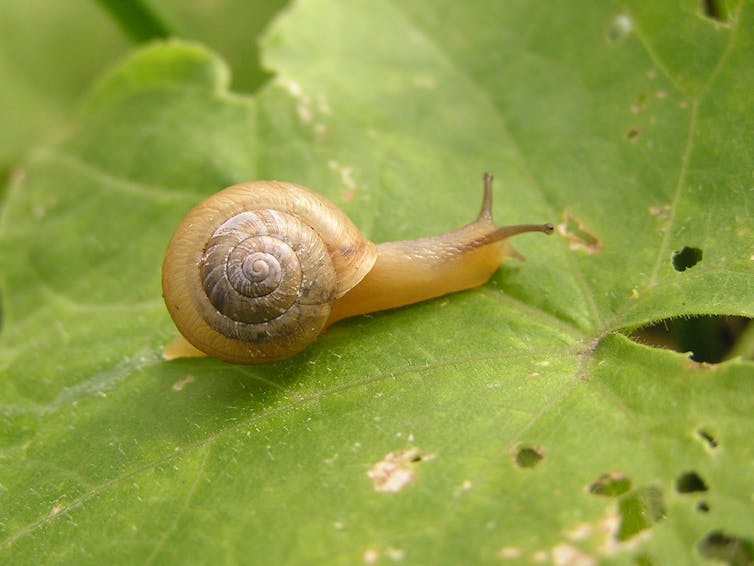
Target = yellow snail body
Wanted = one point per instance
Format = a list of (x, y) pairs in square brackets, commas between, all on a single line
[(254, 273)]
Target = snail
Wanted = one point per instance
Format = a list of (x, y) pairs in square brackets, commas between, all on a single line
[(257, 271)]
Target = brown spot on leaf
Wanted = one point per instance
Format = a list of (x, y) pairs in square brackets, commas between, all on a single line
[(639, 103), (661, 212), (396, 470), (183, 382), (567, 555), (579, 237)]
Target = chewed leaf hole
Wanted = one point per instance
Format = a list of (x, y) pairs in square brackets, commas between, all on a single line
[(639, 511), (718, 10), (702, 507), (690, 482), (579, 237), (687, 258), (528, 457), (728, 549), (709, 440), (611, 485), (710, 338)]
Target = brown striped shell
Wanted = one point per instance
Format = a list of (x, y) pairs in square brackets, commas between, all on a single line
[(251, 273)]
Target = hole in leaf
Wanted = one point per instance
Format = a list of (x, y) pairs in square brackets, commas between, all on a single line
[(710, 338), (611, 485), (702, 507), (729, 549), (690, 482), (639, 511), (528, 457), (718, 10), (708, 438), (633, 135), (579, 237), (687, 258)]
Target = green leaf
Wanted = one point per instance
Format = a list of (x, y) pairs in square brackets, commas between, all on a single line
[(514, 421), (43, 72)]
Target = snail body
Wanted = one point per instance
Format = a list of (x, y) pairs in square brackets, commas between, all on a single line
[(257, 271)]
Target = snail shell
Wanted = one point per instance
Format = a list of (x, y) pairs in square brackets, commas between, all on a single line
[(251, 273)]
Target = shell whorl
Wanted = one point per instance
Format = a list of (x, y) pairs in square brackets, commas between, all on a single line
[(268, 278), (251, 273)]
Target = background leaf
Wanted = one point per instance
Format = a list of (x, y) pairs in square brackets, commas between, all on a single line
[(38, 89), (527, 425), (44, 73)]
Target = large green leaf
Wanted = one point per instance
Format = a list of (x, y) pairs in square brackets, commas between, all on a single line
[(510, 422)]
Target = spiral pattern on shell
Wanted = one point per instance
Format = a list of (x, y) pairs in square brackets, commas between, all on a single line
[(251, 273), (268, 278)]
